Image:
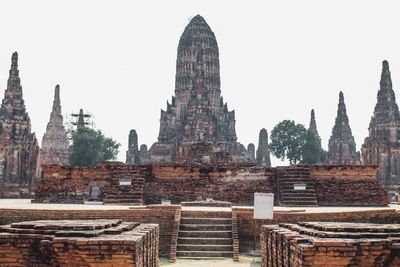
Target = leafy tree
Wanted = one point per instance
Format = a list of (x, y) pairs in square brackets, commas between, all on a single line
[(287, 141), (91, 147), (312, 152)]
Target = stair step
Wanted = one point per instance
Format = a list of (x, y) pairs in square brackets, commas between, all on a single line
[(206, 214), (225, 254), (205, 234), (194, 220), (202, 258), (205, 240), (204, 247), (206, 227)]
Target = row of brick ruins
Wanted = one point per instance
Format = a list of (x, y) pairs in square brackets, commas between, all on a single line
[(196, 127), (300, 185)]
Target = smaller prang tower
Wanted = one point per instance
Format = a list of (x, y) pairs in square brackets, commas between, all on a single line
[(382, 146), (313, 123), (55, 143), (341, 147), (263, 154)]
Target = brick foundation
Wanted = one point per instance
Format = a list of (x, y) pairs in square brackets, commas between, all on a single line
[(330, 244), (79, 243), (235, 183)]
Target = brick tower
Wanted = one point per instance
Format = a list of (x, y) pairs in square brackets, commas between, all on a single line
[(341, 147), (197, 125), (19, 150), (382, 146)]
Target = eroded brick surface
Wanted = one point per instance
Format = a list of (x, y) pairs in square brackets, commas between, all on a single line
[(79, 243), (330, 244), (235, 183)]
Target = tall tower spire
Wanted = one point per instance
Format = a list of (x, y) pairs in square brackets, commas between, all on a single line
[(342, 148), (381, 146), (19, 149), (197, 122), (55, 143)]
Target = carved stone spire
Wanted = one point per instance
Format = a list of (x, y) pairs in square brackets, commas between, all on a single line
[(342, 148), (197, 123), (381, 147), (313, 124), (81, 119), (263, 155), (55, 143), (19, 150)]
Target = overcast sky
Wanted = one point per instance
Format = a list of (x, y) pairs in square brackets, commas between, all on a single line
[(279, 59)]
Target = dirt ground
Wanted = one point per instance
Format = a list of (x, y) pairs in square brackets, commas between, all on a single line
[(244, 261)]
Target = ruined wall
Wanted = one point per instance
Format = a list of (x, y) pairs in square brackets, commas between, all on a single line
[(347, 186), (246, 221), (79, 243), (234, 183), (152, 183), (327, 244), (163, 216), (64, 184)]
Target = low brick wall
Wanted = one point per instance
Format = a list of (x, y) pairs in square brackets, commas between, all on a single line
[(246, 221), (347, 186), (330, 244), (79, 243), (164, 217)]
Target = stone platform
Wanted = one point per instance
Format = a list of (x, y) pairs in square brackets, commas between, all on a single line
[(330, 244), (79, 243)]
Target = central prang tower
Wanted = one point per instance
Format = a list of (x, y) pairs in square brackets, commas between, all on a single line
[(197, 126)]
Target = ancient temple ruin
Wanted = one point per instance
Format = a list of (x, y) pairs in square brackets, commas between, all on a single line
[(55, 147), (341, 147), (197, 125), (19, 150), (263, 155), (382, 146)]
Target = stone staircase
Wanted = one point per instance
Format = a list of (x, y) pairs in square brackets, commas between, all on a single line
[(291, 197), (205, 235)]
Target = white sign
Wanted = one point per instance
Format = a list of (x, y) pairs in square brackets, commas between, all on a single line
[(299, 186), (123, 181), (263, 206)]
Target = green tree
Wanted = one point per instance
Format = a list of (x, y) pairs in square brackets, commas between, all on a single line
[(91, 147), (312, 152), (287, 141)]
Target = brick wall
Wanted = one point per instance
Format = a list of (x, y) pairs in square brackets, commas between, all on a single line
[(327, 244), (79, 243), (246, 221), (347, 186), (236, 183), (164, 217), (233, 183)]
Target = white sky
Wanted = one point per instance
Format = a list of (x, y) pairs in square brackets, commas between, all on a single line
[(278, 60)]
